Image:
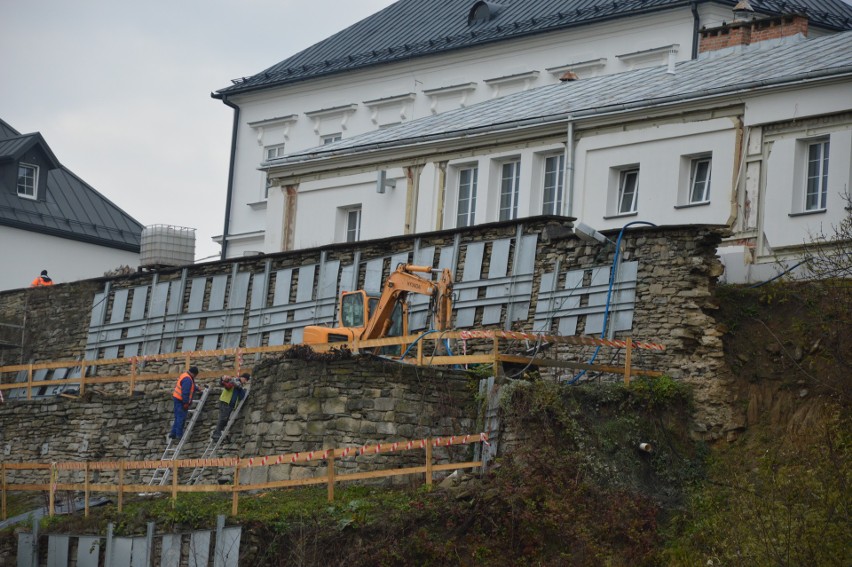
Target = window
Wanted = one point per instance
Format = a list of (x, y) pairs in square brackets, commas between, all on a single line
[(510, 180), (353, 225), (816, 183), (628, 191), (554, 176), (274, 152), (27, 180), (467, 196), (699, 180), (331, 138)]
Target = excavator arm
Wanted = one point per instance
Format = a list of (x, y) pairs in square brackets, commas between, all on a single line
[(397, 287)]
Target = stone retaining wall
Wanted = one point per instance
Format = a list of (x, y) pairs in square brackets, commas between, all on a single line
[(677, 270), (293, 406)]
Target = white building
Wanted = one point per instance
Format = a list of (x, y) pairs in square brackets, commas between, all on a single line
[(52, 220), (412, 76)]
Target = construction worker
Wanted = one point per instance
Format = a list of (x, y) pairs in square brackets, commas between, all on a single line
[(233, 392), (42, 280), (182, 397)]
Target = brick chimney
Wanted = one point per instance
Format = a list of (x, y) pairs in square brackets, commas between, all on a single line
[(747, 32)]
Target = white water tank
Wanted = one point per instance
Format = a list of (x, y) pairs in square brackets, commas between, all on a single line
[(165, 245)]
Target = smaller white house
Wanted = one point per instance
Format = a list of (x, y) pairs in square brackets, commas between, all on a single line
[(50, 219), (756, 135)]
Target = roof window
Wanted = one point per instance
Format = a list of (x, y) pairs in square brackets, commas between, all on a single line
[(482, 12)]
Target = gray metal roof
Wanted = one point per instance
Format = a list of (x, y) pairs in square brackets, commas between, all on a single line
[(790, 62), (72, 209), (416, 28)]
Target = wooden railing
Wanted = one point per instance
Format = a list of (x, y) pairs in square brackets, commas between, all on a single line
[(120, 468), (485, 344)]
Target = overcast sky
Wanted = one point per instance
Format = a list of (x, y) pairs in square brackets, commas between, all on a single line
[(121, 91)]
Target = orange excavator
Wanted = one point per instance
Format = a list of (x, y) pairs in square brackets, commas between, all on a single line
[(363, 316)]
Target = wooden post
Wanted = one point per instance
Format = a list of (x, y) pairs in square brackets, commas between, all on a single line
[(52, 491), (627, 361), (235, 498), (496, 354), (132, 375), (86, 490), (429, 462), (30, 382), (82, 376), (420, 352), (3, 480), (187, 363), (331, 477), (120, 485), (174, 483)]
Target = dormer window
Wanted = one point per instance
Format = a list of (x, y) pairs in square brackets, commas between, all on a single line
[(27, 180), (482, 12)]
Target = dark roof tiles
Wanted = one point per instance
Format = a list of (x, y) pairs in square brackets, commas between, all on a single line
[(413, 28)]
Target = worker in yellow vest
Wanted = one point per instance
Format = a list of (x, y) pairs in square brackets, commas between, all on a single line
[(233, 392), (182, 397)]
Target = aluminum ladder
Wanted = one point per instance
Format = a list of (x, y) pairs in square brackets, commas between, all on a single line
[(213, 446), (174, 446)]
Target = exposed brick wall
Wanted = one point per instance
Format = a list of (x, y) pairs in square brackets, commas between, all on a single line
[(753, 31)]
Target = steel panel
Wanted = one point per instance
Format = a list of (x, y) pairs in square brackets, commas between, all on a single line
[(199, 549), (227, 552), (470, 273), (57, 551), (327, 289), (122, 552), (348, 278), (419, 304), (88, 551), (26, 555), (373, 275), (170, 550), (524, 269), (119, 305), (259, 293), (497, 268)]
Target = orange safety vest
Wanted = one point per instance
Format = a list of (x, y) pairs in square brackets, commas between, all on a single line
[(178, 393), (40, 281)]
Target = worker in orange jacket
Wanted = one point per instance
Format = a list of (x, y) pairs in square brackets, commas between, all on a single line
[(42, 280), (182, 397)]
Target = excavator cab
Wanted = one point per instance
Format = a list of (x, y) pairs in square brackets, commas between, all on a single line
[(356, 308)]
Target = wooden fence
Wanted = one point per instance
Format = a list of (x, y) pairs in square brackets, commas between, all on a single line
[(120, 487), (487, 347)]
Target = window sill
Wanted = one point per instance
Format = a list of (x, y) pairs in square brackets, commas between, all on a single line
[(29, 197), (257, 205), (621, 215), (805, 213), (690, 205)]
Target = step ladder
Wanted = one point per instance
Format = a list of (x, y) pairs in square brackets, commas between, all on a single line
[(213, 446), (174, 446)]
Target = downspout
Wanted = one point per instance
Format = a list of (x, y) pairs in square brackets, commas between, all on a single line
[(696, 23), (231, 162), (568, 182)]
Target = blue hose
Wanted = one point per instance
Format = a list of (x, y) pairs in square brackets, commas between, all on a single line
[(612, 275)]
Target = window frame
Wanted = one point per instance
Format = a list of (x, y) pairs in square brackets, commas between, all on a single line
[(558, 190), (820, 180), (278, 149), (466, 216), (510, 189), (34, 187), (623, 176), (694, 165), (352, 234), (331, 138)]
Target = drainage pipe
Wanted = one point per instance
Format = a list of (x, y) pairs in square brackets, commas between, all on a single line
[(231, 173), (568, 181)]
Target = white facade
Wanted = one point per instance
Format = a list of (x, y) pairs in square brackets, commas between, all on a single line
[(24, 254), (279, 121)]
